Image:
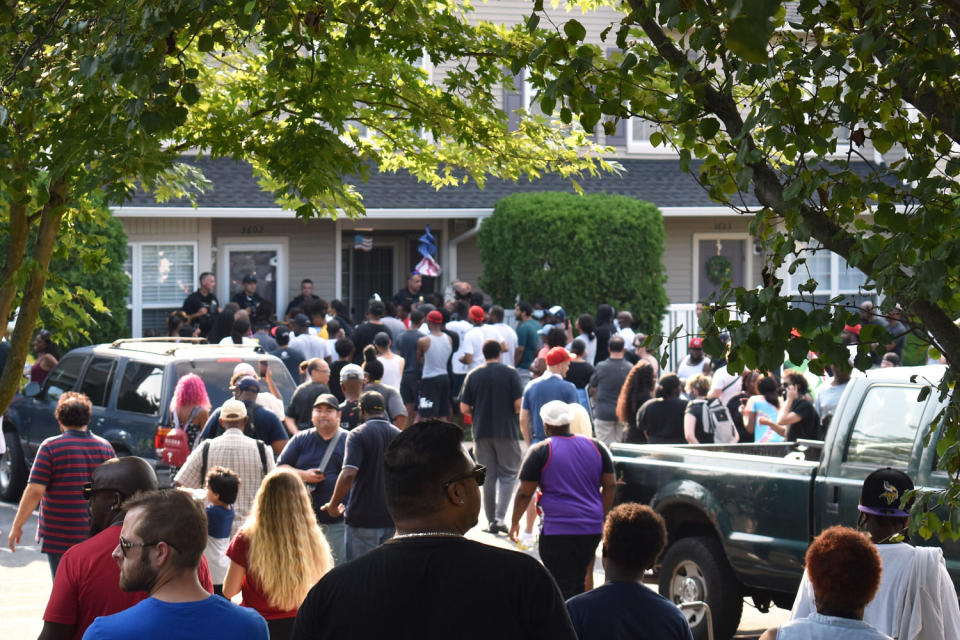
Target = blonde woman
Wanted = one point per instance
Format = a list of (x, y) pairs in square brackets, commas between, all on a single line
[(278, 554)]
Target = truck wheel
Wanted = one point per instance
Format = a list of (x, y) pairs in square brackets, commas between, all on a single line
[(13, 470), (695, 569)]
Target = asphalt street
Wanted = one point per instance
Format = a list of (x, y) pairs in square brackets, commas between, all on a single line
[(25, 583)]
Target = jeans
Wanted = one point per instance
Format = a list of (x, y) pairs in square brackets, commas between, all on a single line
[(501, 457), (360, 540), (567, 557), (608, 431), (334, 532), (54, 560)]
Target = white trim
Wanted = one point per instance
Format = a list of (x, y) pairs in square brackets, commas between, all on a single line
[(280, 244), (643, 146), (695, 260)]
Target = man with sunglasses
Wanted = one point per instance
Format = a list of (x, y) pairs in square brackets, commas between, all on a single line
[(429, 581), (86, 583), (160, 549), (576, 477)]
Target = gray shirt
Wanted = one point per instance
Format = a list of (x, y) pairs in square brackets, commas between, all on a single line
[(608, 379), (391, 396), (436, 357)]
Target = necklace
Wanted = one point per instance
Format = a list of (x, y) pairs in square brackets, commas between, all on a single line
[(427, 534)]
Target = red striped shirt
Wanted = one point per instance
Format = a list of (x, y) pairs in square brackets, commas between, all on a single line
[(63, 464)]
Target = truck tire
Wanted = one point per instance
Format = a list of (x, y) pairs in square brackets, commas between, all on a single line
[(13, 469), (695, 569)]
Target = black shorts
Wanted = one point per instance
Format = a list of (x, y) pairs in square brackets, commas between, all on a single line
[(409, 388), (434, 397)]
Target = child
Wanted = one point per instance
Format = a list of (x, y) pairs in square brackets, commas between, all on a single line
[(222, 487)]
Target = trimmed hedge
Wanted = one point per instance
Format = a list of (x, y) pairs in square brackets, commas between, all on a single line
[(578, 252)]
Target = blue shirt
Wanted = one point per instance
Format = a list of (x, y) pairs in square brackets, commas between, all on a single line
[(626, 611), (541, 391), (219, 521), (266, 425), (305, 450), (214, 618), (366, 446)]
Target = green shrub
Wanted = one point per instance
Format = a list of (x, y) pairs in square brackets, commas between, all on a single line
[(578, 252)]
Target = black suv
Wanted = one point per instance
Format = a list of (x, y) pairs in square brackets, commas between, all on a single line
[(130, 383)]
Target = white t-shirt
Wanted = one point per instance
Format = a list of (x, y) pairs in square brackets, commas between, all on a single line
[(243, 340), (473, 343), (590, 357), (723, 378), (884, 611), (508, 335), (392, 371), (628, 335), (460, 327), (310, 346)]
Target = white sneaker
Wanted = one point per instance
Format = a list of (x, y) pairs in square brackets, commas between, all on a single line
[(527, 540)]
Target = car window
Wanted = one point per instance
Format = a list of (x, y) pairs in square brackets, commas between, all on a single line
[(216, 377), (886, 426), (63, 376), (97, 381), (140, 388)]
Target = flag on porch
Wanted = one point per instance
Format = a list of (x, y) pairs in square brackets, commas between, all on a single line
[(362, 242), (428, 249)]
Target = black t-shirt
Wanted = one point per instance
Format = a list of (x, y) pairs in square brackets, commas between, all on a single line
[(661, 420), (539, 454), (366, 445), (301, 303), (406, 344), (301, 402), (195, 302), (435, 588), (735, 407), (695, 408), (626, 611), (404, 295), (364, 336), (292, 358), (579, 374), (335, 378), (809, 426), (251, 303), (349, 415), (491, 389)]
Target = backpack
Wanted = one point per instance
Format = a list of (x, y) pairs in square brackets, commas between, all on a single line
[(716, 420), (175, 446), (205, 453)]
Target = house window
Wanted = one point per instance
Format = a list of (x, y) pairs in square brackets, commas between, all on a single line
[(834, 277), (161, 276)]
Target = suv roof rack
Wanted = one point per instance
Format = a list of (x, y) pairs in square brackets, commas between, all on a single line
[(176, 344), (123, 341)]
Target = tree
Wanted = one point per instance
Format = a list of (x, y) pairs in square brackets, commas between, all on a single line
[(97, 97), (762, 101), (576, 251)]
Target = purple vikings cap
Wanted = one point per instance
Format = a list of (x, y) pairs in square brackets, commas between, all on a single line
[(883, 491)]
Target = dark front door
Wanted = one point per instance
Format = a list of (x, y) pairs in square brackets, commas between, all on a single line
[(712, 269), (370, 272)]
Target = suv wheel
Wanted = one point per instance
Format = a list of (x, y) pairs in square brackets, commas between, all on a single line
[(13, 469)]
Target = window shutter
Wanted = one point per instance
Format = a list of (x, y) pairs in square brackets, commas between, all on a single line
[(513, 102)]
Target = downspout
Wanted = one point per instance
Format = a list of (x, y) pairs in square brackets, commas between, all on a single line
[(454, 244)]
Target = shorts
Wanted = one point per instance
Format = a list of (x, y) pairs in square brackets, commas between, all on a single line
[(409, 388), (434, 397)]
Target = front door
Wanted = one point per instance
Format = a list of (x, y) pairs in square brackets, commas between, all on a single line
[(719, 259), (370, 272), (266, 262)]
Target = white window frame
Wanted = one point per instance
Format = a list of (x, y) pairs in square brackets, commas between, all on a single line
[(267, 243), (792, 282), (135, 304), (426, 65)]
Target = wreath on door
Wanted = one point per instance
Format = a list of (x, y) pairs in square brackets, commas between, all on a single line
[(719, 268)]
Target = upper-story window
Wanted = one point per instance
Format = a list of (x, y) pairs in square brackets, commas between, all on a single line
[(834, 277), (424, 63)]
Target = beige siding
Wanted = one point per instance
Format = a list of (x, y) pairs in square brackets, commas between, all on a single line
[(469, 266), (141, 229)]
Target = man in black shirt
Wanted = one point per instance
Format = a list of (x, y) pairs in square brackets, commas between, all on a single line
[(797, 419), (248, 298), (305, 299), (291, 356), (429, 581), (351, 383), (299, 413), (492, 394), (410, 293), (406, 344), (202, 306), (366, 331)]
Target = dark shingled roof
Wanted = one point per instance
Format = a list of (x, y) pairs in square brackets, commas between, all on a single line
[(654, 180)]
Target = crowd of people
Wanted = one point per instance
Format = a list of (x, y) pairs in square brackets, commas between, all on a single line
[(345, 511)]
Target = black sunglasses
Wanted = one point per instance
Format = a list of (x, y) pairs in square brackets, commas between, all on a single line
[(478, 473), (88, 490), (126, 545)]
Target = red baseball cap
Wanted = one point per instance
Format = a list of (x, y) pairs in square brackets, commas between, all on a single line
[(435, 317), (695, 343), (556, 356), (476, 313)]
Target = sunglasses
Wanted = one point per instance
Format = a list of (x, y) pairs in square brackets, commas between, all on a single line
[(88, 490), (478, 473), (126, 545)]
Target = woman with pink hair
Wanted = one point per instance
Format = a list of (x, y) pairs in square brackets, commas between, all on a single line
[(190, 407)]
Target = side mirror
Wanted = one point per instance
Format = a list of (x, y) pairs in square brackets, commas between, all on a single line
[(32, 389)]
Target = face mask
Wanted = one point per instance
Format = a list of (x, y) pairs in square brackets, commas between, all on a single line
[(538, 313)]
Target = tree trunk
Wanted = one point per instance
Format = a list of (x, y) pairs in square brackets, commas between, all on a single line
[(19, 232), (33, 294)]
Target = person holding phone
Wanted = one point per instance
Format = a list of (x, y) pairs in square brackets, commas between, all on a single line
[(316, 454)]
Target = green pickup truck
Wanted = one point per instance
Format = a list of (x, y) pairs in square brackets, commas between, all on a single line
[(740, 516)]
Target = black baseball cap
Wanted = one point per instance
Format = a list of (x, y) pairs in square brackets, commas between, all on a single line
[(372, 402), (247, 279), (327, 399), (882, 492)]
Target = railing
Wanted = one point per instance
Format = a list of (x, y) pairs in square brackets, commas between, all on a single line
[(679, 315)]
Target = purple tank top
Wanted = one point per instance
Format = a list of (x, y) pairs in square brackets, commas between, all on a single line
[(570, 482)]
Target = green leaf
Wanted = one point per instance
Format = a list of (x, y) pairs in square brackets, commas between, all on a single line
[(151, 121), (749, 39), (574, 30), (708, 128), (882, 140), (793, 189), (205, 42), (190, 93)]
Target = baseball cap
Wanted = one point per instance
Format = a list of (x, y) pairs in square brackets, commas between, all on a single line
[(556, 356), (327, 399), (476, 313), (696, 343), (882, 492), (233, 410), (245, 368), (556, 412), (557, 312), (435, 317), (351, 372), (301, 320), (372, 402), (247, 383), (249, 278)]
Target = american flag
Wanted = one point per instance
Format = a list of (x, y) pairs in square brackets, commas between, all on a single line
[(362, 242)]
